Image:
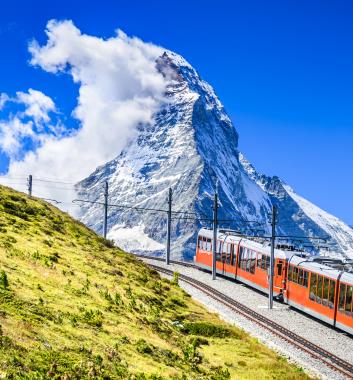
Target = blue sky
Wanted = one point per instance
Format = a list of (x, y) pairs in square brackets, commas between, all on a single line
[(283, 70)]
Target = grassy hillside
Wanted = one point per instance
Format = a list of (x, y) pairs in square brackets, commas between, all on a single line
[(74, 307)]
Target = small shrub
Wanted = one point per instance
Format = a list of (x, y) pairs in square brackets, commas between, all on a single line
[(143, 279), (124, 340), (143, 347), (206, 329), (176, 301), (4, 282), (198, 341), (106, 242), (54, 258), (49, 243), (58, 225), (36, 255), (98, 360), (117, 299), (86, 285), (191, 355), (106, 295), (220, 373), (93, 318), (175, 279), (157, 287), (73, 320)]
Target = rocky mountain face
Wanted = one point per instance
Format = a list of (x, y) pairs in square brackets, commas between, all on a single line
[(192, 147)]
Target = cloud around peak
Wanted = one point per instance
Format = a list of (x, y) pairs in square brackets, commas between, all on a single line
[(119, 88)]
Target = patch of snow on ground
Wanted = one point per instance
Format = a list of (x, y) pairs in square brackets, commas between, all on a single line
[(133, 239)]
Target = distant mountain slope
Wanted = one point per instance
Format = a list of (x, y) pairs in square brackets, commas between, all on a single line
[(73, 307), (300, 217), (191, 146)]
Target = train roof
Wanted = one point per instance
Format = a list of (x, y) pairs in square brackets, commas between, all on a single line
[(313, 264), (256, 246), (315, 267)]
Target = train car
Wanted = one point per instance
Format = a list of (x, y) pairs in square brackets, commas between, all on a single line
[(320, 290), (311, 287), (304, 282), (344, 310), (242, 259)]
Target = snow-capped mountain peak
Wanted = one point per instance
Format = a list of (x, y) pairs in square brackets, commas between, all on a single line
[(190, 146)]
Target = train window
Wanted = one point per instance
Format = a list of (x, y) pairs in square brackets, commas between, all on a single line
[(232, 255), (209, 245), (228, 253), (252, 260), (245, 259), (348, 305), (290, 271), (218, 250), (342, 297), (319, 289), (331, 300), (241, 251), (259, 260), (279, 269), (326, 283), (313, 286), (264, 262), (204, 244), (300, 277)]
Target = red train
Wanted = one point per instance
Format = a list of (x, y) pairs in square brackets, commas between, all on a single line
[(317, 285)]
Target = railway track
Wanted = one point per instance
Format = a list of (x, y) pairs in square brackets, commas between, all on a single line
[(315, 351)]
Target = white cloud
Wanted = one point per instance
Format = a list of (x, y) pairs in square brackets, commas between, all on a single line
[(38, 105), (119, 87), (11, 134), (3, 100), (32, 123)]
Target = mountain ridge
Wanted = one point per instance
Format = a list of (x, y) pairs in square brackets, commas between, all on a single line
[(192, 146)]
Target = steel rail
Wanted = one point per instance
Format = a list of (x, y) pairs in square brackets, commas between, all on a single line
[(332, 361)]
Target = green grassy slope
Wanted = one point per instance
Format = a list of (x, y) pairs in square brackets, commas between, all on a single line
[(74, 307)]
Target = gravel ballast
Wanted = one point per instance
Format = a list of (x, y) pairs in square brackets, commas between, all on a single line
[(317, 332)]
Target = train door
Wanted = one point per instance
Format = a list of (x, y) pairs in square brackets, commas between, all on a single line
[(279, 271), (219, 254)]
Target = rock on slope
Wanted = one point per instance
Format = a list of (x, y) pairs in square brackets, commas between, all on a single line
[(192, 147)]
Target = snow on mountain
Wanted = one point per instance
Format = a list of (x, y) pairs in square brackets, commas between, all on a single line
[(299, 217), (341, 233), (192, 147)]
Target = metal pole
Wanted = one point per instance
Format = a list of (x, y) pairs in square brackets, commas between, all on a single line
[(105, 224), (214, 245), (30, 182), (169, 225), (272, 257)]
